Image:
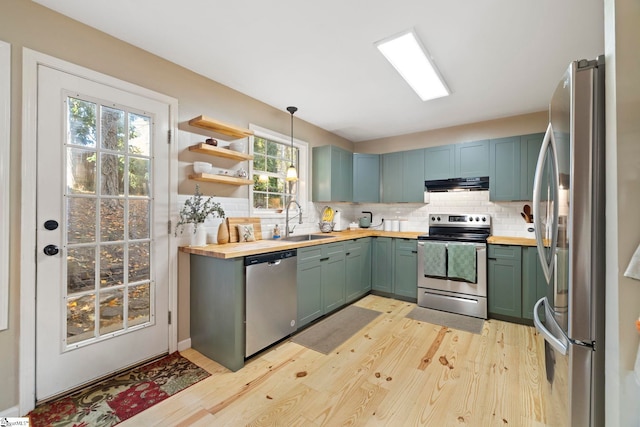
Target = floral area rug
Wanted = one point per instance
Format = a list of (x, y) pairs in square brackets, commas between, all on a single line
[(116, 399)]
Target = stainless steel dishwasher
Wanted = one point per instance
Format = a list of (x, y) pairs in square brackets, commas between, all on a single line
[(271, 299)]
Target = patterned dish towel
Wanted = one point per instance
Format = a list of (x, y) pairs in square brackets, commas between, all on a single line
[(462, 261), (435, 259)]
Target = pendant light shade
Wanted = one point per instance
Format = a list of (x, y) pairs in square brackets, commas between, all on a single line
[(292, 173)]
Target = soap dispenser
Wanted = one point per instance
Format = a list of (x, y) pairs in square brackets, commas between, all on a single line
[(276, 232)]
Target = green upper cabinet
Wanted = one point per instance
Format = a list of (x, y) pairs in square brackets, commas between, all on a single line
[(392, 177), (332, 179), (464, 160), (504, 175), (513, 164), (472, 159), (366, 178), (529, 149), (439, 162), (403, 176)]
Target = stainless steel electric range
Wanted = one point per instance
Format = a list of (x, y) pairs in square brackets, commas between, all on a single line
[(452, 264)]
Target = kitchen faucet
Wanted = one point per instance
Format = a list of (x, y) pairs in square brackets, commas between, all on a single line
[(286, 225)]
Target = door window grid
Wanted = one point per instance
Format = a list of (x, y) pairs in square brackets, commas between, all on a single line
[(108, 229)]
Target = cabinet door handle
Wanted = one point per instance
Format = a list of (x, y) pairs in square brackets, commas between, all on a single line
[(492, 259), (347, 254), (414, 252), (324, 259)]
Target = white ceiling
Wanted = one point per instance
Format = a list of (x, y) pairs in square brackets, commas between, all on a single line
[(499, 57)]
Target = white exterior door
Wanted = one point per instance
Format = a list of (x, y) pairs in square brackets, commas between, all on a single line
[(102, 240)]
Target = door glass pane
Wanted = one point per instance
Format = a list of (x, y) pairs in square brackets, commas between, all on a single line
[(82, 122), (111, 219), (112, 175), (139, 260), (112, 135), (139, 134), (111, 265), (81, 269), (108, 185), (81, 171), (138, 177), (139, 219), (80, 318), (111, 311), (139, 305), (81, 219)]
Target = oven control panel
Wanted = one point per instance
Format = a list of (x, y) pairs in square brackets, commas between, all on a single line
[(466, 220)]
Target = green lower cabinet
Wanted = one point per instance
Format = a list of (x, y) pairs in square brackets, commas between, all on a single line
[(358, 268), (309, 279), (505, 281), (382, 264), (534, 285), (405, 272), (217, 300), (333, 280)]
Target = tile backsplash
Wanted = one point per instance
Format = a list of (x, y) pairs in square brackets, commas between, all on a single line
[(505, 216)]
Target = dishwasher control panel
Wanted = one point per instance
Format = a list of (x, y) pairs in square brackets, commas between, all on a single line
[(269, 257)]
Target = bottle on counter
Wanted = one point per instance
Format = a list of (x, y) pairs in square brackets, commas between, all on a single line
[(276, 232)]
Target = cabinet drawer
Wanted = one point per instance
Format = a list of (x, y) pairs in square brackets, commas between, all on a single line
[(505, 252), (332, 249), (406, 245), (311, 254)]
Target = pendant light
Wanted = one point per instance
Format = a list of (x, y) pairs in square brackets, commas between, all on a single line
[(292, 173)]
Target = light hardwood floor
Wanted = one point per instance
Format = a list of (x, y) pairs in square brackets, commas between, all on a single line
[(394, 372)]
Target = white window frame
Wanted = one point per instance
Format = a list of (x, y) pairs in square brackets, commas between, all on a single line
[(303, 169), (5, 145)]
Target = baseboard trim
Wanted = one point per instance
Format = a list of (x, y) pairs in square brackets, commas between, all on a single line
[(184, 345), (10, 413)]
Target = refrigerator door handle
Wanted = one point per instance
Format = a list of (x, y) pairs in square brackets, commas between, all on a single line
[(560, 344), (547, 264)]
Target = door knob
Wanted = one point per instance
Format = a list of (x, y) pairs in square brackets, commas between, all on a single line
[(51, 250)]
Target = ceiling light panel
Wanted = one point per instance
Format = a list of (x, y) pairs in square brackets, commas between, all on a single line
[(412, 61)]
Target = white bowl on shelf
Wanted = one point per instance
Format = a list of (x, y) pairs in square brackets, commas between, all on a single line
[(239, 146), (202, 167)]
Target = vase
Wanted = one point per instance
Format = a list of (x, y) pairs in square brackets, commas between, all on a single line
[(212, 225), (199, 236), (223, 233)]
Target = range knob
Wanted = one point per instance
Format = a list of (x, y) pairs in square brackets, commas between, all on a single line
[(477, 219), (433, 218), (484, 219), (438, 218), (470, 219)]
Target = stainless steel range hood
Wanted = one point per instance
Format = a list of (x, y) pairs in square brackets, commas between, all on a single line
[(457, 184)]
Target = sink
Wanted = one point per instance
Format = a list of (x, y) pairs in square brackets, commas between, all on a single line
[(305, 237)]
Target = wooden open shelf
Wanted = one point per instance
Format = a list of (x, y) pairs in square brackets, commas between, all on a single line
[(219, 152), (220, 179), (208, 123)]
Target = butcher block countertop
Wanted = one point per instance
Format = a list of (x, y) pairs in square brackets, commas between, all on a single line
[(235, 250), (506, 240)]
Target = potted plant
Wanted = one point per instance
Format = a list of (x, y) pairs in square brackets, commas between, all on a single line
[(195, 211)]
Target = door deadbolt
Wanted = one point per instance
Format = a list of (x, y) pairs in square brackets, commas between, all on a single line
[(51, 224), (51, 250)]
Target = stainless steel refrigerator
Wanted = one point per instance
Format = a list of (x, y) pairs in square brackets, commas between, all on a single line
[(569, 222)]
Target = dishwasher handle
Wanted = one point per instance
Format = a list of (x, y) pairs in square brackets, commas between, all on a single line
[(274, 263)]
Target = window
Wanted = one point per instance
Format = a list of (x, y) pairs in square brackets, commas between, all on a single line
[(272, 155)]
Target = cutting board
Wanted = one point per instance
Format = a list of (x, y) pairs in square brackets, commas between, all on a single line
[(233, 230)]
